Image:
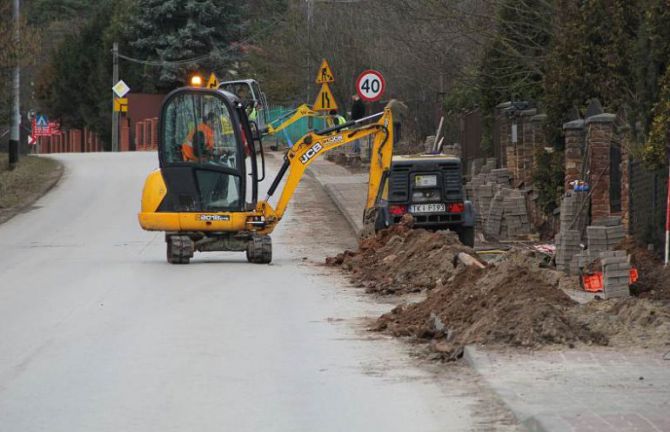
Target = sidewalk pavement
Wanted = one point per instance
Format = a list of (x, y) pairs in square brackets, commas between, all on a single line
[(348, 191), (580, 390)]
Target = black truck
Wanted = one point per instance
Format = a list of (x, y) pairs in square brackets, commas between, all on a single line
[(430, 188)]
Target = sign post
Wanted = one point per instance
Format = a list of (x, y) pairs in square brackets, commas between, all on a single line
[(120, 90), (370, 85)]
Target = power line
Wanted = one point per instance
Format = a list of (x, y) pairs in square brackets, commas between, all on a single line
[(164, 62)]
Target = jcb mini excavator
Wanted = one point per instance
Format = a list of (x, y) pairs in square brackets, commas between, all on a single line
[(205, 194)]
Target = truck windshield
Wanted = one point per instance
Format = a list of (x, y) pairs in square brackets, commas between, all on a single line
[(198, 129)]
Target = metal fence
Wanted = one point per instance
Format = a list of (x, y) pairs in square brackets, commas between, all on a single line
[(298, 129), (648, 192)]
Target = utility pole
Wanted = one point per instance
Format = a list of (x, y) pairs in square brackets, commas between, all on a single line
[(310, 6), (15, 133), (115, 114)]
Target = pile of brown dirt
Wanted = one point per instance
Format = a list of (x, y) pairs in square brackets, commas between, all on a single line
[(628, 322), (402, 260), (654, 279), (514, 303)]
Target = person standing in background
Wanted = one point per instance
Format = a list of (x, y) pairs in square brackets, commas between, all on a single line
[(357, 108), (357, 113), (399, 111)]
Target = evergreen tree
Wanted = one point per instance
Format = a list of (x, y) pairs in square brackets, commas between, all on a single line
[(175, 30)]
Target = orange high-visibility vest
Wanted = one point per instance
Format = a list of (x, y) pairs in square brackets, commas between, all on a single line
[(187, 146)]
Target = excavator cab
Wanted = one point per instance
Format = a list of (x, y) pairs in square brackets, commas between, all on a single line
[(205, 153)]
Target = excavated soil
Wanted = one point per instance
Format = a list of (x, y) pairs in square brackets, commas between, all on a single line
[(654, 279), (515, 302), (402, 260)]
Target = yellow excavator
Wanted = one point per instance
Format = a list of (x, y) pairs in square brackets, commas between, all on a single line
[(205, 194)]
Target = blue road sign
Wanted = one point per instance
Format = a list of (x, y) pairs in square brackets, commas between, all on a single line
[(42, 121)]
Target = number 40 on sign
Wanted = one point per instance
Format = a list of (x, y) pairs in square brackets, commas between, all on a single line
[(370, 86)]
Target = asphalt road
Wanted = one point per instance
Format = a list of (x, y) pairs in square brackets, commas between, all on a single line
[(99, 333)]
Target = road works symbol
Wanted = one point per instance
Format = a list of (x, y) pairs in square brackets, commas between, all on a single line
[(370, 86), (120, 89), (213, 82), (325, 101), (325, 74)]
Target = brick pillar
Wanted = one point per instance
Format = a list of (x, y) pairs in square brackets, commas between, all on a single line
[(154, 133), (600, 134), (139, 134), (503, 125), (574, 141), (539, 137), (124, 135), (146, 139), (77, 142), (525, 147)]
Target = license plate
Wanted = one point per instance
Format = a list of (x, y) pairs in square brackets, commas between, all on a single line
[(428, 208), (425, 180)]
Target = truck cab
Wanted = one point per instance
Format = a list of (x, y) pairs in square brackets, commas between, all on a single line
[(430, 188)]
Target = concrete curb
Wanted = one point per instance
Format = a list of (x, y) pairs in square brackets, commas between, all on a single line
[(340, 206), (349, 218), (542, 423)]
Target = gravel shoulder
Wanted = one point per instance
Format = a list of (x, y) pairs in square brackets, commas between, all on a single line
[(29, 181)]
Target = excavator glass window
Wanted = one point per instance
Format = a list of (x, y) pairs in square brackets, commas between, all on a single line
[(199, 129), (202, 153)]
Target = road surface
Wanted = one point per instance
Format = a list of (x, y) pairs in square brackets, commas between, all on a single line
[(99, 333)]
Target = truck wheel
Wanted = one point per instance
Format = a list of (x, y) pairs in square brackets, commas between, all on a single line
[(467, 236), (259, 250), (179, 249)]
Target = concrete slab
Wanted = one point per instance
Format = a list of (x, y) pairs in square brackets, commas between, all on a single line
[(580, 390)]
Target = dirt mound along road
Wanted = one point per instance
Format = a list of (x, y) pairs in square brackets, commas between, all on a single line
[(516, 302), (513, 303), (402, 260)]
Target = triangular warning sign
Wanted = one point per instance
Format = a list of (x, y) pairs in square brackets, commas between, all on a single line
[(325, 74), (213, 82), (325, 101)]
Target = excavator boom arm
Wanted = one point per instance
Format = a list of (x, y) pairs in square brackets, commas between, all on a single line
[(301, 112), (314, 144)]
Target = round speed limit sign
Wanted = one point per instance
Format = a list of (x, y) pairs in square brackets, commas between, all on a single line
[(370, 86)]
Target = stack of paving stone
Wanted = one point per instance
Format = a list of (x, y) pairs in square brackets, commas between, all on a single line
[(574, 211), (515, 214), (501, 176), (507, 217), (568, 241), (616, 274), (604, 238), (493, 218), (568, 244)]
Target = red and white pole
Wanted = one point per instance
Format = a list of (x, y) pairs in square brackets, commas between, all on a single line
[(667, 221)]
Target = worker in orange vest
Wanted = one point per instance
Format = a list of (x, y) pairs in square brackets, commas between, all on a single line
[(199, 142)]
